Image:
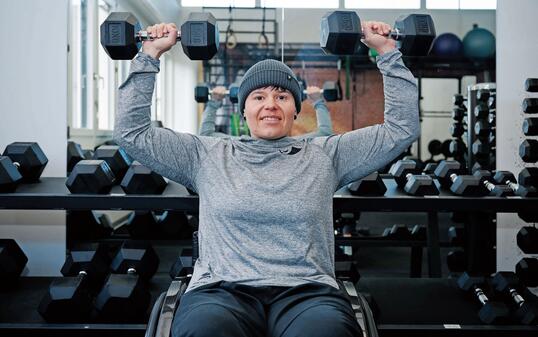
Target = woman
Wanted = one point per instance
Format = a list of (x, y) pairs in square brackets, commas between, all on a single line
[(266, 265)]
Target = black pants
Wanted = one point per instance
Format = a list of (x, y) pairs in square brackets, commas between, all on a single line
[(229, 309)]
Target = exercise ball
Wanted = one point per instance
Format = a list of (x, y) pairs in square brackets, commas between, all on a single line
[(447, 45), (479, 43)]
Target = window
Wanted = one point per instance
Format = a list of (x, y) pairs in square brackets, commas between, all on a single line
[(218, 3), (461, 4), (300, 3), (386, 4)]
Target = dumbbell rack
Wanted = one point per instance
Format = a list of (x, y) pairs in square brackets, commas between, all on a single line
[(51, 193), (472, 102)]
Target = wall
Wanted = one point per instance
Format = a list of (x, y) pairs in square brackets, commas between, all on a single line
[(516, 61), (33, 105)]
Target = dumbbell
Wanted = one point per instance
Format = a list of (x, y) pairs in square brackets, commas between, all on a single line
[(530, 105), (184, 264), (528, 150), (458, 100), (483, 129), (486, 179), (527, 239), (70, 298), (397, 232), (371, 185), (506, 177), (12, 261), (481, 111), (449, 174), (74, 155), (455, 235), (87, 225), (341, 33), (530, 127), (21, 162), (125, 296), (445, 148), (457, 148), (492, 102), (407, 176), (434, 148), (527, 271), (116, 157), (202, 93), (482, 149), (528, 177), (531, 85), (482, 95), (149, 225), (92, 177), (429, 169), (121, 36), (141, 180), (507, 283), (329, 90), (458, 113), (490, 312), (457, 129)]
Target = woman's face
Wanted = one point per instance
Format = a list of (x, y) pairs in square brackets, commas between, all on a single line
[(270, 112)]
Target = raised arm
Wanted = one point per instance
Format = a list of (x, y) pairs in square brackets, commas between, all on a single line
[(357, 153), (174, 155), (323, 116), (207, 127)]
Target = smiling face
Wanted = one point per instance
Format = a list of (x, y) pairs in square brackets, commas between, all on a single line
[(270, 112)]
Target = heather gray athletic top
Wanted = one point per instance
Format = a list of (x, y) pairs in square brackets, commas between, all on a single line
[(207, 127), (266, 205)]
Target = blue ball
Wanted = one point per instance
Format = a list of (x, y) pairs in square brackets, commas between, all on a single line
[(479, 44), (447, 45)]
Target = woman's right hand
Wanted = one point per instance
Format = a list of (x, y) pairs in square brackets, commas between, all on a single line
[(165, 37)]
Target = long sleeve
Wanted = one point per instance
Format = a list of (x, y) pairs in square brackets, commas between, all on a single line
[(174, 155), (323, 116), (207, 127), (357, 153)]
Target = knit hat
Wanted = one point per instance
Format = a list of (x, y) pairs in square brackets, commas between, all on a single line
[(268, 73)]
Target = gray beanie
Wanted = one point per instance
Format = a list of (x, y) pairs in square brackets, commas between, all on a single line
[(269, 73)]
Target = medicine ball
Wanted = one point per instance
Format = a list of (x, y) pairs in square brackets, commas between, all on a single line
[(447, 45), (479, 44)]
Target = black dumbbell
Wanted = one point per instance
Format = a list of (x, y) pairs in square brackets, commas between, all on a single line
[(527, 271), (445, 148), (397, 232), (486, 179), (434, 148), (530, 105), (341, 33), (92, 177), (12, 261), (371, 185), (531, 85), (481, 111), (116, 157), (74, 155), (141, 180), (490, 312), (458, 100), (429, 169), (125, 296), (407, 176), (21, 162), (530, 127), (121, 36), (70, 298), (528, 150), (87, 225), (458, 113), (330, 91), (482, 95), (483, 129), (456, 129), (184, 264), (527, 239), (457, 148), (506, 177), (455, 235), (449, 174), (507, 283), (492, 102), (528, 177), (482, 149), (202, 93)]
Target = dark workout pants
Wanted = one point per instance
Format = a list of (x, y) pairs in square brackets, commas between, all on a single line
[(229, 309)]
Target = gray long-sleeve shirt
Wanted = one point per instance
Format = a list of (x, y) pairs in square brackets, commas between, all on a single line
[(207, 127), (266, 205)]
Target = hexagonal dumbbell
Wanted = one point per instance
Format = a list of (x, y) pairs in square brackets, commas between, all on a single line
[(528, 177), (70, 298), (506, 177), (487, 180), (528, 150), (481, 111), (527, 239), (482, 149), (12, 261), (21, 162), (530, 105), (397, 232), (491, 312), (507, 283), (341, 33), (74, 155), (458, 100), (450, 177), (455, 236), (482, 95), (121, 36), (91, 176), (457, 129), (371, 185), (202, 92), (125, 296), (183, 266), (407, 175), (459, 113), (141, 180), (530, 127), (527, 271), (116, 158)]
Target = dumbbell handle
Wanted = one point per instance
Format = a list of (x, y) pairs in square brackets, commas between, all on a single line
[(480, 295), (131, 271), (512, 185), (516, 297), (143, 35), (394, 34)]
